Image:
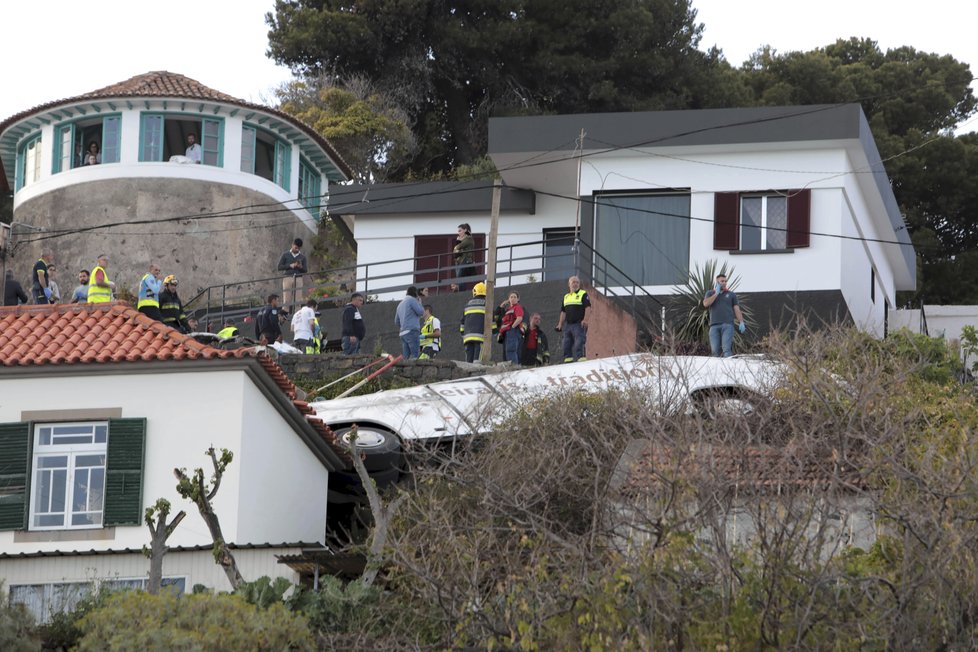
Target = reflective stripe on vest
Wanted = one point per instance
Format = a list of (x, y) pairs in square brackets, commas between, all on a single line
[(428, 334), (97, 293), (574, 298), (149, 299)]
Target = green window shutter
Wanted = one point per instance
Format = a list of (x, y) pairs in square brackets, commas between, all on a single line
[(248, 150), (124, 472), (15, 462)]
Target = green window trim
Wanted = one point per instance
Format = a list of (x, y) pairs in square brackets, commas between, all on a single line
[(151, 137), (212, 142), (15, 470), (20, 168), (61, 157), (310, 187), (283, 164), (111, 138), (124, 474), (248, 143)]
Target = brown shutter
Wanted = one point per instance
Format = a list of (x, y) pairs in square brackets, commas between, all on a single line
[(726, 220), (799, 218)]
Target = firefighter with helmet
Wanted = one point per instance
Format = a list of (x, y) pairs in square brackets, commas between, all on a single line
[(171, 307), (474, 323)]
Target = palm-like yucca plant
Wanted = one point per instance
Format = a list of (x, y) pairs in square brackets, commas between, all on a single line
[(694, 324)]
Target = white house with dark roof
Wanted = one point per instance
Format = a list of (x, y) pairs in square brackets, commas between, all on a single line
[(98, 405), (259, 183), (796, 199)]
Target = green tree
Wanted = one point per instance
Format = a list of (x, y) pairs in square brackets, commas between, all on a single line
[(364, 125), (912, 100), (451, 65)]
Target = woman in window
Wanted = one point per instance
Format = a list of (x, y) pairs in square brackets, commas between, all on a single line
[(93, 156)]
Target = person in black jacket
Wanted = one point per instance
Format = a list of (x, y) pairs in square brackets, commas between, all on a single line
[(535, 350), (353, 327), (171, 308), (293, 263), (267, 324), (13, 291)]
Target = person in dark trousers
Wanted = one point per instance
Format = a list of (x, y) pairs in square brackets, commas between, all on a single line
[(293, 264), (724, 308), (148, 297), (573, 312), (535, 351), (40, 281), (171, 307), (474, 323), (13, 291), (354, 330), (267, 326), (464, 254)]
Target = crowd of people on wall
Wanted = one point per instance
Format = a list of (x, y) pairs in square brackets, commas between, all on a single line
[(523, 340)]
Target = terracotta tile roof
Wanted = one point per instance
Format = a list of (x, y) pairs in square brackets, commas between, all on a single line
[(73, 334), (84, 333), (760, 469), (162, 83)]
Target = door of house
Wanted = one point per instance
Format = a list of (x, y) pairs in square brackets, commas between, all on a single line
[(434, 263)]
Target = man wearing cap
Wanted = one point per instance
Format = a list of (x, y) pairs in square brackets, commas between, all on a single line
[(100, 288), (171, 308)]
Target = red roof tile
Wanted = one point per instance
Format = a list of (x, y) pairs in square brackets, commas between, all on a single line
[(82, 333), (71, 334), (757, 469)]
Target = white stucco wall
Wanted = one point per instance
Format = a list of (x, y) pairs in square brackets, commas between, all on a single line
[(186, 413), (129, 165), (282, 495)]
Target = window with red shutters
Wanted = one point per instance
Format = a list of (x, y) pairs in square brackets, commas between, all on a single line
[(738, 224)]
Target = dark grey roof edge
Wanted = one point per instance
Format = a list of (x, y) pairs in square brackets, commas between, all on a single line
[(427, 197), (765, 124), (882, 181)]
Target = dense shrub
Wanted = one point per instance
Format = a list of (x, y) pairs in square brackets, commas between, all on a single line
[(136, 620), (16, 626)]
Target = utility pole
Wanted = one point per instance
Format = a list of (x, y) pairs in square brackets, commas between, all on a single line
[(497, 191)]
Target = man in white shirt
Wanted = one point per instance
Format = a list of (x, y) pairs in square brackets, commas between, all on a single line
[(303, 322), (194, 152)]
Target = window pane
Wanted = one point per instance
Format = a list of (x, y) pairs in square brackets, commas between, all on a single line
[(211, 142), (777, 222), (646, 237), (111, 139), (45, 437), (152, 138), (64, 149), (248, 150), (750, 223), (100, 434)]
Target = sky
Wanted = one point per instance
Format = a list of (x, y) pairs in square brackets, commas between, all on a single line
[(56, 49)]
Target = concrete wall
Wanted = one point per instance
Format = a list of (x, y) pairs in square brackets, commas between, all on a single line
[(201, 251)]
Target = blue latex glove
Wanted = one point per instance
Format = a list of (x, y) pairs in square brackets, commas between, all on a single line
[(742, 327), (716, 288), (47, 294)]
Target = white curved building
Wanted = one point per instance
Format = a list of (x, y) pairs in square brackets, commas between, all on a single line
[(259, 183)]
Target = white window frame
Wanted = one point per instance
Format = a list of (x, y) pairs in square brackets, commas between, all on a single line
[(72, 452), (40, 598), (766, 234)]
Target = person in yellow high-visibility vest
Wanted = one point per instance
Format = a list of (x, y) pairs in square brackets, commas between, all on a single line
[(149, 293), (100, 288)]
